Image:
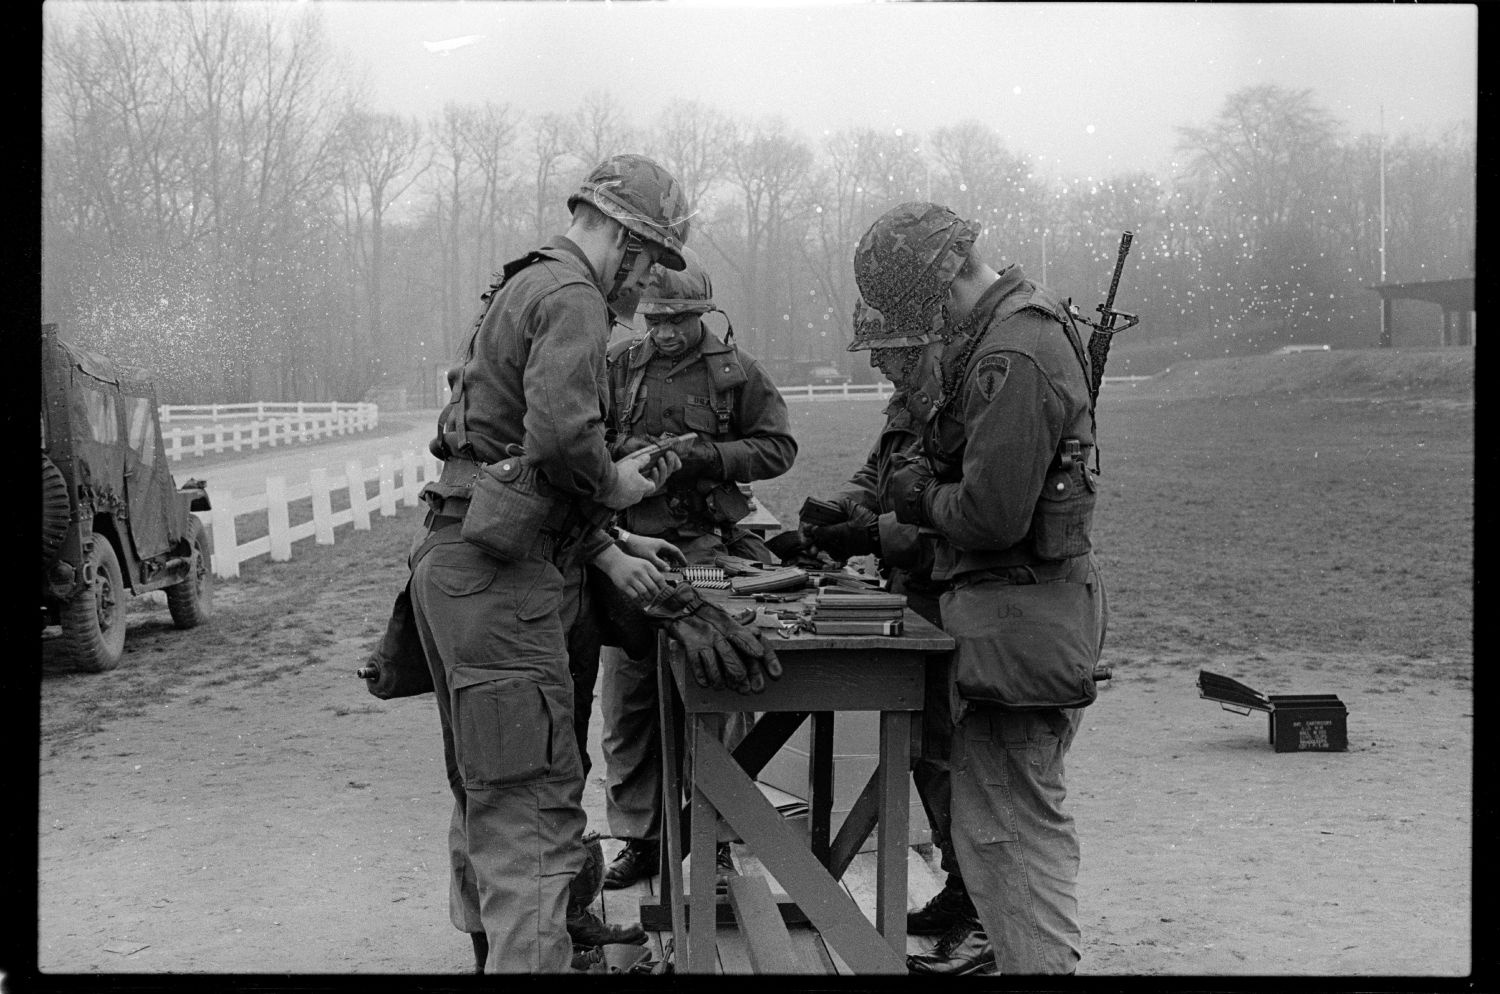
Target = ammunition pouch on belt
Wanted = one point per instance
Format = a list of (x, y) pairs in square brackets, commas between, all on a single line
[(506, 508), (1065, 510), (726, 504), (510, 509)]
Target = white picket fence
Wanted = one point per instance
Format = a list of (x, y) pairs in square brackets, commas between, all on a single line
[(883, 389), (835, 391), (399, 479), (235, 427)]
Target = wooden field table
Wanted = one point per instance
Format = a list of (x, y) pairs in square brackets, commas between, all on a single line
[(823, 675)]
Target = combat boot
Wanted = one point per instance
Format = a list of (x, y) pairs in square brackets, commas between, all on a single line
[(964, 950), (638, 860), (587, 929), (947, 908)]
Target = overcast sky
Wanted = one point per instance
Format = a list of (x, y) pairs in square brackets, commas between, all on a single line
[(1085, 88)]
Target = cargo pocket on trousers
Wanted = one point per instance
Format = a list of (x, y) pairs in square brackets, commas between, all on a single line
[(985, 758), (513, 732)]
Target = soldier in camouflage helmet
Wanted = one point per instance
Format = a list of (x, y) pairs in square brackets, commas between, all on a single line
[(681, 377), (528, 415), (906, 348), (1000, 481), (648, 202), (903, 266)]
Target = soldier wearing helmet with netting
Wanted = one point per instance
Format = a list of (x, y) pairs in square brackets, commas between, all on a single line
[(905, 346), (681, 377), (999, 480), (527, 483)]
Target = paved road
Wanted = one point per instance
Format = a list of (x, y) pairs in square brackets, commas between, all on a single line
[(245, 472)]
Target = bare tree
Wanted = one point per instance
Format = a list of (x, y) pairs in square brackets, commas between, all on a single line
[(770, 168), (193, 138), (452, 170), (549, 155), (983, 181), (599, 129), (492, 141), (381, 160), (695, 143), (1261, 157), (864, 173)]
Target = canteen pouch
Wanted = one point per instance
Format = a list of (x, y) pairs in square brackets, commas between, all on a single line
[(1064, 513), (507, 510), (1024, 647), (398, 663)]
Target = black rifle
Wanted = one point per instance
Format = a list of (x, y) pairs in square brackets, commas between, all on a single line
[(1106, 328)]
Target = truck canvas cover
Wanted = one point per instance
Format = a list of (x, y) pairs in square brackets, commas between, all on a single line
[(114, 437)]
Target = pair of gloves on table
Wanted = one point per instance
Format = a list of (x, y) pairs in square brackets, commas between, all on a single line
[(720, 651)]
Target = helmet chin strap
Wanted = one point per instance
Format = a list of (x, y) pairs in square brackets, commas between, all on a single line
[(622, 302), (728, 325)]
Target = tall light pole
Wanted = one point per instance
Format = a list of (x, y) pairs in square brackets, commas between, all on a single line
[(1385, 303), (1382, 193)]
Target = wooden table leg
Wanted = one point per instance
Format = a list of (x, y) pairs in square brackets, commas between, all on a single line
[(671, 889), (703, 943), (820, 784), (890, 886)]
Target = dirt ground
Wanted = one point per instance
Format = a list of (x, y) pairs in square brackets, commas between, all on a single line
[(232, 801)]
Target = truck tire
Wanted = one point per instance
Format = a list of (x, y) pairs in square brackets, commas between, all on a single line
[(56, 513), (191, 600), (93, 622)]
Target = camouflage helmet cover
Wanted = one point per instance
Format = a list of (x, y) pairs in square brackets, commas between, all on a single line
[(904, 265), (678, 292), (642, 196)]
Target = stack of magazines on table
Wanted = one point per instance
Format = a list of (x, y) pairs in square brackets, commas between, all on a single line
[(840, 611)]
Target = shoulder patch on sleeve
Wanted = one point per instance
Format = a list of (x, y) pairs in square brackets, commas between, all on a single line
[(989, 375)]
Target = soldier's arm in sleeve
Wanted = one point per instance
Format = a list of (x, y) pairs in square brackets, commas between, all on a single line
[(765, 448), (904, 546), (901, 545), (864, 486), (564, 425), (1013, 419)]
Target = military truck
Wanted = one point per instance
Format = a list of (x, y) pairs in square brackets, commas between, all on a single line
[(114, 522)]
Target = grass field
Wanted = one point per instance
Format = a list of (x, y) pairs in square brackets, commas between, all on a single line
[(1327, 510)]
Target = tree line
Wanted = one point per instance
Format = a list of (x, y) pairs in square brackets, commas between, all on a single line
[(222, 204)]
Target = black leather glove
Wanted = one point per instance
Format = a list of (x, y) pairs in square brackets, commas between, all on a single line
[(720, 651), (857, 535), (907, 489), (846, 540), (701, 461), (788, 546)]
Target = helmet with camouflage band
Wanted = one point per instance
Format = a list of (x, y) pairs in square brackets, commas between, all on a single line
[(685, 291), (904, 265), (642, 196)]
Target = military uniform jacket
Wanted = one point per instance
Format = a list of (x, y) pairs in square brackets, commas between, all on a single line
[(724, 396), (535, 376), (1002, 495), (902, 546)]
